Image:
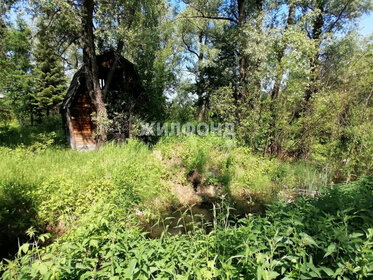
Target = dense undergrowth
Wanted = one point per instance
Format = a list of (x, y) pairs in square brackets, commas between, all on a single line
[(48, 132), (82, 215), (330, 237)]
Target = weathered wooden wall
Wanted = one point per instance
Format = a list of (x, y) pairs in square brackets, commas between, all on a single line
[(82, 123)]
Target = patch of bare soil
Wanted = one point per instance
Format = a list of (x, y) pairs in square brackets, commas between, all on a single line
[(195, 207), (57, 230)]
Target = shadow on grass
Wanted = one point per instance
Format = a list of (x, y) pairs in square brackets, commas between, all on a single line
[(17, 214)]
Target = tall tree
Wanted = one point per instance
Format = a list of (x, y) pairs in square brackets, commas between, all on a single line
[(328, 17), (237, 14), (17, 81), (91, 68), (114, 25), (50, 83), (280, 46), (196, 42)]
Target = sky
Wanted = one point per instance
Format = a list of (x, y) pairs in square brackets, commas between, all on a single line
[(366, 25)]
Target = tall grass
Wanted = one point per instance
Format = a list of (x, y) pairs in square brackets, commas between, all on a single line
[(48, 186), (329, 237), (60, 185), (49, 129), (237, 169)]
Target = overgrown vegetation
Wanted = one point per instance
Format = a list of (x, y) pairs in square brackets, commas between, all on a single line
[(328, 237), (288, 197), (87, 214)]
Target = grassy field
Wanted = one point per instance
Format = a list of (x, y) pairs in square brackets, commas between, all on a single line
[(184, 208)]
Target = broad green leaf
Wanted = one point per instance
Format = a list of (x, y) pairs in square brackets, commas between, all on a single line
[(308, 240), (330, 250)]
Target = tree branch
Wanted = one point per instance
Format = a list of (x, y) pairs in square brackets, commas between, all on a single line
[(72, 41), (339, 17), (188, 47), (212, 17)]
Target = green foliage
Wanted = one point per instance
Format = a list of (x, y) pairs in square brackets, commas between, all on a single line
[(152, 50), (146, 31), (15, 56), (240, 172), (293, 77), (17, 214), (262, 83), (6, 113), (48, 132), (254, 67), (50, 84), (196, 154), (50, 188), (312, 238), (182, 108), (98, 201), (66, 183)]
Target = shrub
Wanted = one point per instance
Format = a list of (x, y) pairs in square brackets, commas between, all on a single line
[(309, 239)]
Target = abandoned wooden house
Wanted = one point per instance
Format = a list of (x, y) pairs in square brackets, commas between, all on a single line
[(122, 99)]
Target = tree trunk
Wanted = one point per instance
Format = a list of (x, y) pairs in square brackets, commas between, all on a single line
[(314, 62), (273, 146), (32, 118), (91, 70), (306, 109), (281, 53), (200, 87), (242, 93), (243, 60)]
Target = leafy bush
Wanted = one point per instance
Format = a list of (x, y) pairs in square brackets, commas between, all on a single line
[(17, 214), (237, 170), (99, 202), (310, 239), (56, 186), (46, 134)]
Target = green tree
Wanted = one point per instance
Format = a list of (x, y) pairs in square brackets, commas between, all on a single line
[(138, 29), (50, 82), (196, 34), (17, 80)]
